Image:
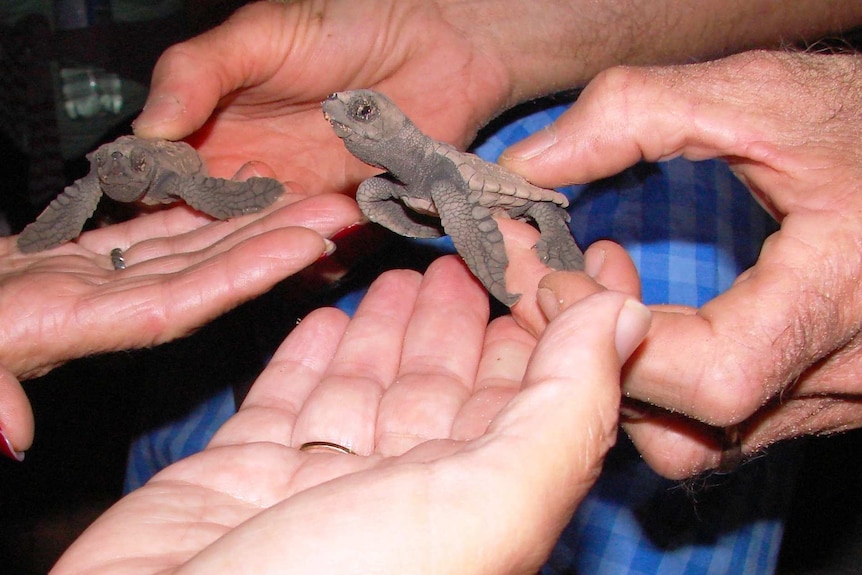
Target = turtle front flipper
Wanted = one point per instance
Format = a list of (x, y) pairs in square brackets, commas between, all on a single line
[(222, 198), (473, 231), (556, 247), (64, 218), (380, 199)]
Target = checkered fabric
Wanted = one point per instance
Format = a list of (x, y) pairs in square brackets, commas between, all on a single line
[(691, 229)]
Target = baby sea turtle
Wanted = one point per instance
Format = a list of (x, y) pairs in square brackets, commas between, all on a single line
[(151, 171), (429, 178)]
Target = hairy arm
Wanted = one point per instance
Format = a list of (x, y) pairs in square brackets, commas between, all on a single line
[(551, 45)]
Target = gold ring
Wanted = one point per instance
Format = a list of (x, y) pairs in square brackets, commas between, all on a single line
[(326, 446)]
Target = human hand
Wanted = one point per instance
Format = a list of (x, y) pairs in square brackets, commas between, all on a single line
[(471, 452), (777, 355), (253, 86), (183, 269)]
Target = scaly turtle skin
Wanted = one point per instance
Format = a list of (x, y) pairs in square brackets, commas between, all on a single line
[(429, 178), (133, 169)]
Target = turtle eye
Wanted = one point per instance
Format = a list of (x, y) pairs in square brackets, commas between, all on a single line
[(365, 111)]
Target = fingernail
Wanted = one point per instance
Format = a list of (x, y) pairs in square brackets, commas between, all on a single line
[(532, 146), (548, 303), (7, 450), (594, 261), (632, 325), (330, 247), (158, 111), (349, 230)]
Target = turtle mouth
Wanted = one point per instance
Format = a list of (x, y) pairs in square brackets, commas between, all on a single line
[(341, 130)]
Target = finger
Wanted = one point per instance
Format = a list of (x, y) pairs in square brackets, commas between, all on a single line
[(16, 417), (506, 350), (524, 272), (554, 435), (749, 343), (159, 250), (609, 264), (442, 346), (674, 446), (190, 78), (273, 403), (627, 115), (343, 408), (151, 309)]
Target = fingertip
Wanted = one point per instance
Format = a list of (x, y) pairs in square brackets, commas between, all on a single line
[(633, 323), (16, 417), (163, 116), (609, 264), (255, 169)]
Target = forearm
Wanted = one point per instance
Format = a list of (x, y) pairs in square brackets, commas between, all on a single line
[(551, 45)]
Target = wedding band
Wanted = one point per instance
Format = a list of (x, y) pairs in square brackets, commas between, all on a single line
[(326, 446), (117, 259), (731, 450)]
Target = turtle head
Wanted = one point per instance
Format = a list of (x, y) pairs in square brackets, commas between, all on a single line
[(366, 121), (125, 172)]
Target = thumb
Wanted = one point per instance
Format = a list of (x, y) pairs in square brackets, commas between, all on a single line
[(566, 418), (627, 115), (191, 78)]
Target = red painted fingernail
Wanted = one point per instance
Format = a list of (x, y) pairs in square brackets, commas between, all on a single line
[(6, 448), (348, 231)]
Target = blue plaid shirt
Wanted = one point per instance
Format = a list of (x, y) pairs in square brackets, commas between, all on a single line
[(691, 228)]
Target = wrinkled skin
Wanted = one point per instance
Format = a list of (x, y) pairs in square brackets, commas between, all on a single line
[(461, 192), (183, 269), (487, 441), (778, 354), (254, 72), (241, 88)]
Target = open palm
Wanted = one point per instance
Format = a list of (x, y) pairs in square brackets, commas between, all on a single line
[(253, 87), (183, 269), (462, 444)]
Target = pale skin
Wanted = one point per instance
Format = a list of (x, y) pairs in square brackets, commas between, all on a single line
[(183, 269), (265, 97), (464, 448), (777, 354)]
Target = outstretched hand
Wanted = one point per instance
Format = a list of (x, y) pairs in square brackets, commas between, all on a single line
[(183, 269), (777, 355), (253, 86), (471, 452)]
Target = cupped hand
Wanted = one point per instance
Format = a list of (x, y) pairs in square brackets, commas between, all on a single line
[(473, 444), (253, 86), (183, 269), (778, 355)]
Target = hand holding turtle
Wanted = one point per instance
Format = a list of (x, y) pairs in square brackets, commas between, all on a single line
[(181, 270), (253, 87), (777, 355), (487, 441)]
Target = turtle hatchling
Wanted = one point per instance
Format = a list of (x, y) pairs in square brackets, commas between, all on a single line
[(151, 171), (427, 180)]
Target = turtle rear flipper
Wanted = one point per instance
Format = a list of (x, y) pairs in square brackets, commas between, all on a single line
[(473, 231), (222, 198), (556, 247), (64, 218)]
